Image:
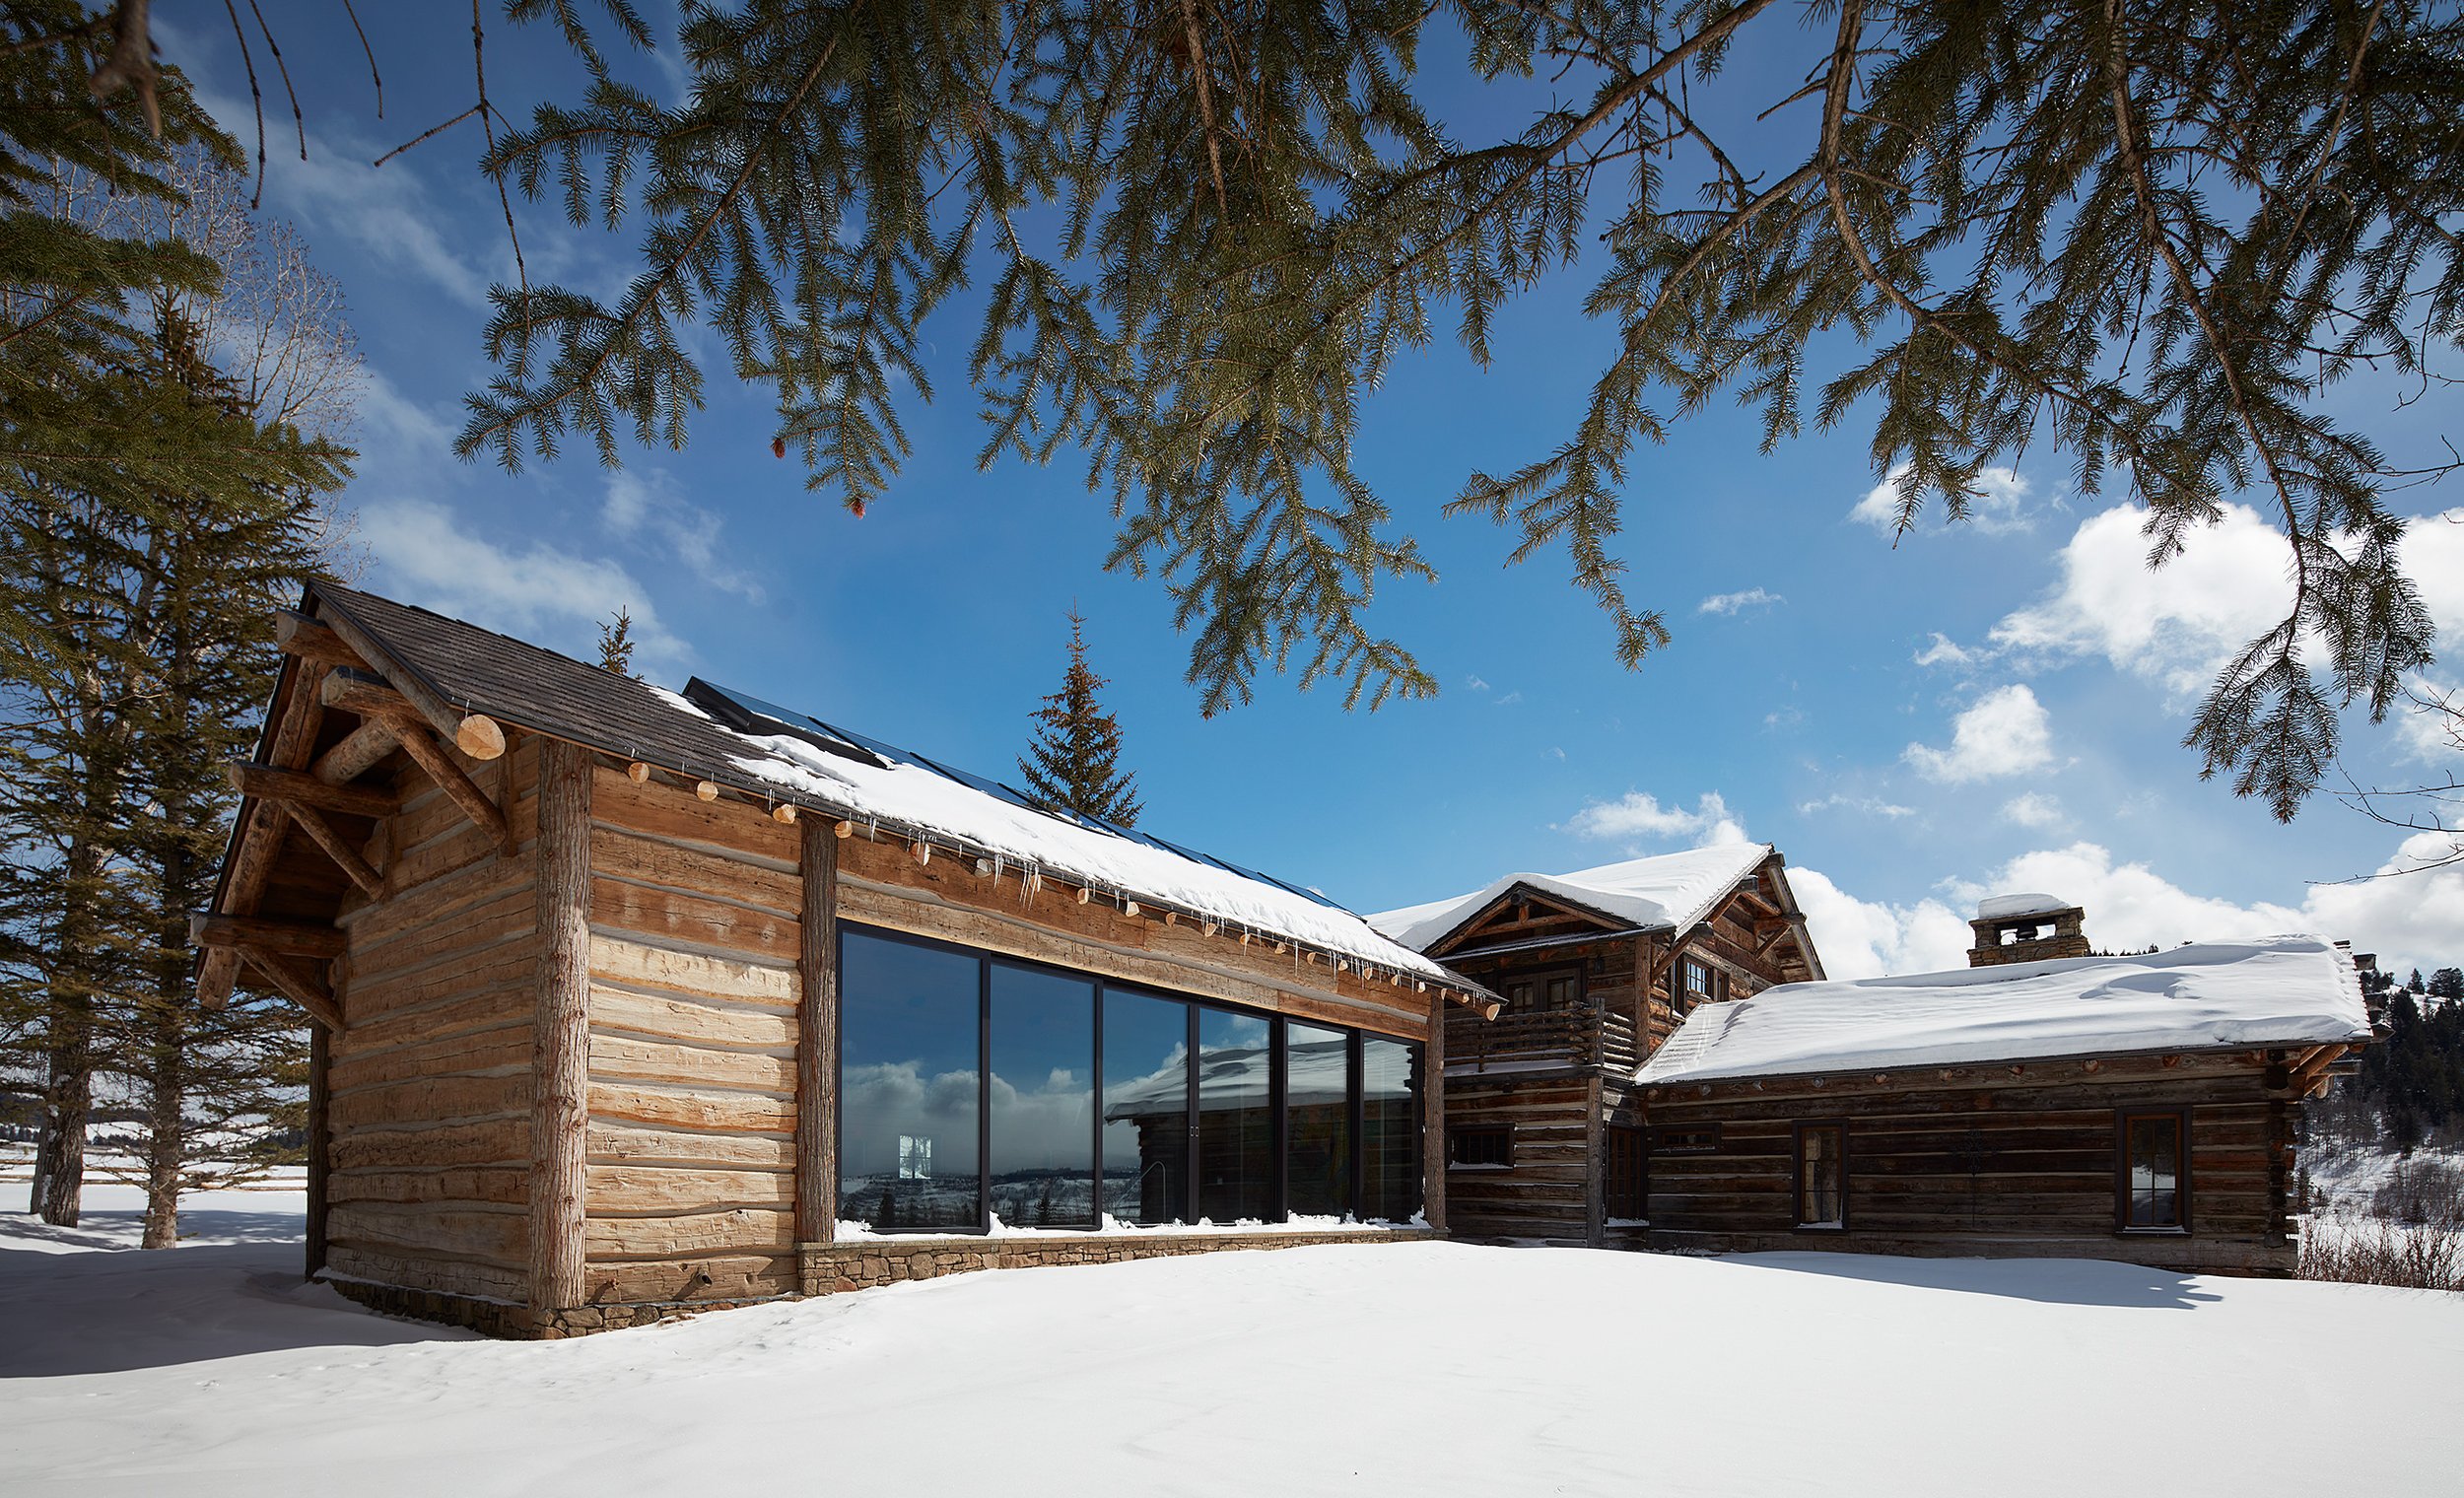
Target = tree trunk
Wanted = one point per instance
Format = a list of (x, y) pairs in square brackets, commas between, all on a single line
[(165, 1127)]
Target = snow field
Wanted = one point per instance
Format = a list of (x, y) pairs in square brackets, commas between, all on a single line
[(1436, 1368)]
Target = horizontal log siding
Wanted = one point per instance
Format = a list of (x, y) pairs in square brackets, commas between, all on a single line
[(428, 1081), (1546, 1193), (2041, 1180), (689, 1163)]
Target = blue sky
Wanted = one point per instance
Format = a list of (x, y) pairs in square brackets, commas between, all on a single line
[(1979, 708)]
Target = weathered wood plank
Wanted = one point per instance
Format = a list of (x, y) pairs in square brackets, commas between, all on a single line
[(817, 1040), (635, 963)]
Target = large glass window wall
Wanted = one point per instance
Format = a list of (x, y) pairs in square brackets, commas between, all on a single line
[(978, 1091)]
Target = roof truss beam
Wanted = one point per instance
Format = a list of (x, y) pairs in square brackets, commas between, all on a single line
[(474, 734)]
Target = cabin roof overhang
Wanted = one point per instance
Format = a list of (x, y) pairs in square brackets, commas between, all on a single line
[(1955, 1072)]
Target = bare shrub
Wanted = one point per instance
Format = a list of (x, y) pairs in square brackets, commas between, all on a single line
[(2373, 1250)]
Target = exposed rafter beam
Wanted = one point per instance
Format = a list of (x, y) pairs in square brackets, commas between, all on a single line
[(356, 753), (287, 746), (337, 847), (303, 939), (297, 987), (474, 734), (267, 782), (313, 639), (464, 793)]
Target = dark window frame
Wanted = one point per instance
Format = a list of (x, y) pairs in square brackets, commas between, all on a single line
[(1185, 1207), (1459, 1131), (1838, 1129), (1540, 979), (2179, 1116), (1683, 997), (1685, 1138), (1627, 1186)]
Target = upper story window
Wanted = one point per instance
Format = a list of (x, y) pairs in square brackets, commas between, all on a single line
[(1537, 991), (1700, 985), (2153, 1184)]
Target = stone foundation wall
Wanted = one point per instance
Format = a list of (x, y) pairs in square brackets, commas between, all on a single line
[(868, 1262), (498, 1318)]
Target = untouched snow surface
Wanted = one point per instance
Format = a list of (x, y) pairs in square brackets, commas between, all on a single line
[(2003, 907), (1665, 891), (1419, 1369), (2278, 990)]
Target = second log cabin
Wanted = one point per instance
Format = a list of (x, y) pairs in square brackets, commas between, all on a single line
[(1595, 969), (627, 1002)]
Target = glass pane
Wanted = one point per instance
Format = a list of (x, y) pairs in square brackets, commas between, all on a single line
[(1562, 994), (1235, 1119), (1318, 1124), (1043, 1098), (1147, 1106), (2155, 1172), (908, 1058), (1390, 1129), (1818, 1177)]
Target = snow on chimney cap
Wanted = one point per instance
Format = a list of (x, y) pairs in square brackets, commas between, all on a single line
[(2007, 907)]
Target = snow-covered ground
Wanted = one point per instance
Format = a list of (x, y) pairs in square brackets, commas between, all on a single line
[(1426, 1368)]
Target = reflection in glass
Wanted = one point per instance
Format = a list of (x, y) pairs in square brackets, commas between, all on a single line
[(2154, 1170), (1317, 1113), (1390, 1129), (1235, 1118), (1043, 1098), (1147, 1106), (1820, 1200), (908, 1086)]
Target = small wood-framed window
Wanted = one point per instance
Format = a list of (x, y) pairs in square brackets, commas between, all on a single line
[(1685, 1138), (2152, 1170), (1479, 1146), (1536, 992), (1626, 1178), (1698, 983), (1822, 1187)]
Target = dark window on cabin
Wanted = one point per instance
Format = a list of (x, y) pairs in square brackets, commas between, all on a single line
[(2153, 1182), (1821, 1174), (1480, 1146), (1699, 1140), (1627, 1179), (1540, 992), (1699, 986)]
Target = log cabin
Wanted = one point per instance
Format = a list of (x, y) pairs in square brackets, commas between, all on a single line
[(627, 1002), (1595, 968), (2142, 1107)]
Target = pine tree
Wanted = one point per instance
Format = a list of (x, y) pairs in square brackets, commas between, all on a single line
[(616, 642), (139, 578), (1074, 761)]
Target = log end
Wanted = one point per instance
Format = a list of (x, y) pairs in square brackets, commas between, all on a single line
[(480, 736)]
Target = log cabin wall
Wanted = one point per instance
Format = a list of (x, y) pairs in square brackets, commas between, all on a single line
[(696, 934), (1994, 1161), (426, 1092)]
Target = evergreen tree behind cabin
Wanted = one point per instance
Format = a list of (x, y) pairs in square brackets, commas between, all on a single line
[(1074, 761), (616, 644)]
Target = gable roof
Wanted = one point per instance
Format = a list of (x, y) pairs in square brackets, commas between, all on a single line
[(2278, 990), (775, 755), (1667, 892)]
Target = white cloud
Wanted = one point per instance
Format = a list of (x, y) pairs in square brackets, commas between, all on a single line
[(2007, 732), (1637, 816), (1730, 603), (2175, 626), (1943, 652), (1872, 807), (537, 593), (1865, 938), (1510, 699), (1999, 505), (1476, 684), (2411, 918), (2035, 810), (649, 506)]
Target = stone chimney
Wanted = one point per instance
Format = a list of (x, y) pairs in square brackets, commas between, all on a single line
[(2026, 928)]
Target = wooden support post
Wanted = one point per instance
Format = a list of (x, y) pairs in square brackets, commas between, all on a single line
[(461, 789), (1433, 1114), (1594, 1169), (560, 1088), (474, 734), (305, 938), (295, 986), (817, 1043), (268, 783), (320, 1154), (336, 847)]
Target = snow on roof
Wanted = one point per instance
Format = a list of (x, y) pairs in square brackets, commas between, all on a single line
[(2277, 991), (1671, 891), (894, 786), (2003, 907)]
